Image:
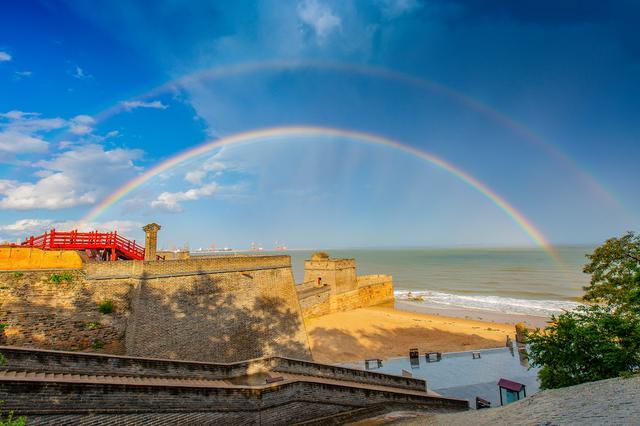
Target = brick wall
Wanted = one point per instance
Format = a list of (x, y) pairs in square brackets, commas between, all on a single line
[(221, 317), (44, 313), (22, 359), (371, 290), (285, 403), (204, 264), (218, 308)]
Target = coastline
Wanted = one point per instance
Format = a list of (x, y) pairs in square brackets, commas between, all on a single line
[(387, 331), (531, 321)]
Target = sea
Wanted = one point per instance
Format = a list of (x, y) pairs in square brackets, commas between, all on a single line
[(521, 281)]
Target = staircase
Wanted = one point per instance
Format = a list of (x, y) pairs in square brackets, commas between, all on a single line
[(55, 387)]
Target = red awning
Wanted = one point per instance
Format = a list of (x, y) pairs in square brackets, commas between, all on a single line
[(510, 385)]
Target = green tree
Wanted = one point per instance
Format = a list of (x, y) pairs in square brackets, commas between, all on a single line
[(615, 273), (591, 343)]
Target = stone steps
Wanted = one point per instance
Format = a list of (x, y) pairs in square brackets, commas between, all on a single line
[(34, 376)]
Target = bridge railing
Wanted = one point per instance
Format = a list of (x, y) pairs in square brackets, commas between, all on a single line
[(74, 240)]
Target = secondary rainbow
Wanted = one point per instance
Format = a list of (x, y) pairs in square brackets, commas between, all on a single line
[(318, 133)]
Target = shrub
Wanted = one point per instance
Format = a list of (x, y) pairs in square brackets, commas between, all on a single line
[(588, 344), (97, 344), (18, 275), (106, 307), (3, 361), (58, 278), (11, 421), (94, 325)]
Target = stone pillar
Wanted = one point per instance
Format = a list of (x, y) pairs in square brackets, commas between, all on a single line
[(151, 240)]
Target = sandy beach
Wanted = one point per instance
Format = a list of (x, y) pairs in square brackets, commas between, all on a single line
[(384, 332)]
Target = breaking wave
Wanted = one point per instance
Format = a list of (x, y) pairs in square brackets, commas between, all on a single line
[(507, 305)]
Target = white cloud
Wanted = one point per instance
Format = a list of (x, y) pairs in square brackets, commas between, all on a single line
[(320, 17), (131, 105), (81, 124), (5, 57), (80, 74), (170, 201), (51, 192), (20, 74), (395, 8), (26, 225), (122, 226), (14, 143), (212, 164), (23, 227), (22, 131), (75, 177)]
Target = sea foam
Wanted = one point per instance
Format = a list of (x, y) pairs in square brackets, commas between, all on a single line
[(506, 305)]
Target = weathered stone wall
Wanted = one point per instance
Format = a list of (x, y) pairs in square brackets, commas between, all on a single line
[(371, 290), (60, 362), (27, 258), (219, 308), (201, 265), (60, 310), (315, 303), (223, 317), (280, 404)]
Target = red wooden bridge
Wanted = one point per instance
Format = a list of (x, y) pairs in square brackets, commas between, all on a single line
[(109, 245)]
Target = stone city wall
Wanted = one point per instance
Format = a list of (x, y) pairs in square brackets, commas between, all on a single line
[(371, 290), (226, 317), (60, 310), (201, 265), (219, 308)]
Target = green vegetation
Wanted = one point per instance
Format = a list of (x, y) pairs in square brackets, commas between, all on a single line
[(615, 273), (18, 275), (94, 325), (11, 421), (600, 341), (97, 344), (58, 278), (106, 307)]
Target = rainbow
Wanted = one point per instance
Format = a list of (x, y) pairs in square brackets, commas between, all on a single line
[(383, 73), (319, 133)]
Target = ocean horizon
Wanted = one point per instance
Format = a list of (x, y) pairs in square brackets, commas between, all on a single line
[(512, 280)]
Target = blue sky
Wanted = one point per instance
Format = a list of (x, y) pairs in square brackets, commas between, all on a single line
[(538, 101)]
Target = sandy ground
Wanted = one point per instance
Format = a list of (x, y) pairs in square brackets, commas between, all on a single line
[(384, 332)]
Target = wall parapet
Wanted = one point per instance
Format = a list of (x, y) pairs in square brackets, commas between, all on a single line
[(27, 359), (367, 280), (181, 267)]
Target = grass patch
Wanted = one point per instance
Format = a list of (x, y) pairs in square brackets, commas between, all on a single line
[(62, 277), (97, 344), (105, 307), (93, 325), (18, 275)]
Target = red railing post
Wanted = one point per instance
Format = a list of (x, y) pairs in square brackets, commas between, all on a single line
[(51, 237)]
